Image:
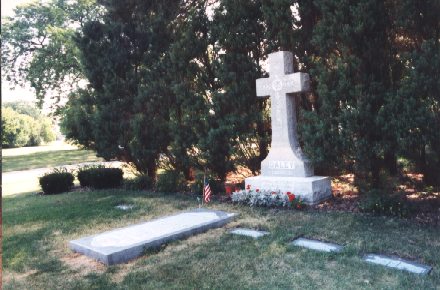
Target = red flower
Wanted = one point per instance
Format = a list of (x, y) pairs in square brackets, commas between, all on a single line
[(291, 196), (248, 186), (228, 189), (273, 192), (257, 190), (298, 206)]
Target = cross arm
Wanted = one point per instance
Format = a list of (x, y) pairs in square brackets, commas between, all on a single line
[(263, 87), (296, 82)]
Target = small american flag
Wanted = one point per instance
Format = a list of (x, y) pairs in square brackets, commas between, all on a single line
[(206, 192)]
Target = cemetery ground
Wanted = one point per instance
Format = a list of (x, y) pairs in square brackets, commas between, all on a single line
[(37, 229)]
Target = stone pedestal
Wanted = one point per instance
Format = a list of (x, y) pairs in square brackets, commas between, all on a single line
[(311, 190), (286, 168)]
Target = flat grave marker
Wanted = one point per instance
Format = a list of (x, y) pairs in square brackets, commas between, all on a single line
[(397, 263), (249, 233), (125, 206), (317, 245), (123, 244)]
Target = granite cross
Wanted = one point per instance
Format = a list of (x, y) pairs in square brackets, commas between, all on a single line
[(286, 168), (279, 86)]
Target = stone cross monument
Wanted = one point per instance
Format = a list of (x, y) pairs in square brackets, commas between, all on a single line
[(286, 168)]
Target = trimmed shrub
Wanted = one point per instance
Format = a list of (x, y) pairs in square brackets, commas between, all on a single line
[(171, 181), (56, 182), (100, 178), (84, 175), (141, 182)]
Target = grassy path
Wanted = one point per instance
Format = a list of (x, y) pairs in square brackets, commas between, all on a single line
[(47, 159), (52, 146), (36, 230), (21, 167)]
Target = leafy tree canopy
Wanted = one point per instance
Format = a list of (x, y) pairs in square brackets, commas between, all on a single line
[(38, 47)]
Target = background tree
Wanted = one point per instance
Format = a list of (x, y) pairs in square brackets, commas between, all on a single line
[(38, 46), (24, 125)]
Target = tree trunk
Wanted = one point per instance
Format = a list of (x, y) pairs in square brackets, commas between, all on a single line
[(390, 160), (152, 170)]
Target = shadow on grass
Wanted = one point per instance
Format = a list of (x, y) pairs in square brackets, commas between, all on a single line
[(26, 251)]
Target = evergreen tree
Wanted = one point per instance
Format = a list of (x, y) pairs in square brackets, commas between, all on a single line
[(124, 61), (352, 72), (236, 122), (77, 118), (416, 117), (167, 80), (191, 82)]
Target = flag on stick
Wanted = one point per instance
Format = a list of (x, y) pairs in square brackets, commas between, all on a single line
[(206, 191)]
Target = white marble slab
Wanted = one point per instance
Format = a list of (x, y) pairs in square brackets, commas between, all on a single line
[(397, 263), (123, 244), (249, 233), (317, 245)]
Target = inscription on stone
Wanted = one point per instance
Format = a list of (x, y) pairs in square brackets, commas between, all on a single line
[(281, 165)]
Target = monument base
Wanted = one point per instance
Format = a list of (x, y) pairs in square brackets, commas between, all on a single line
[(311, 190)]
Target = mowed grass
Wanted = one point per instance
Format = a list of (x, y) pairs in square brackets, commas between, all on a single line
[(36, 231), (47, 159)]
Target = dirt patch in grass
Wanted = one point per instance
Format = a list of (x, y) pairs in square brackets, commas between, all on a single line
[(82, 264)]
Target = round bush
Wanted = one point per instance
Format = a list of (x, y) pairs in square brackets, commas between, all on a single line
[(56, 182), (100, 178)]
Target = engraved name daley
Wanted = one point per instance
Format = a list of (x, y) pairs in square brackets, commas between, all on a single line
[(281, 165)]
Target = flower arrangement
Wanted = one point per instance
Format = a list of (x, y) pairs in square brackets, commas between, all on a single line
[(267, 198)]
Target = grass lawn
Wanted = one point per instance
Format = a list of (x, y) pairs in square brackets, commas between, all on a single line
[(47, 159), (36, 231)]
